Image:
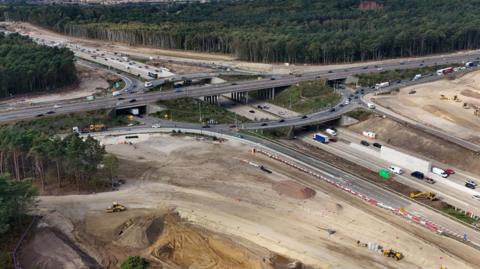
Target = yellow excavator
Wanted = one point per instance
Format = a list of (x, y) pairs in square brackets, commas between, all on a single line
[(116, 207), (427, 195), (393, 254)]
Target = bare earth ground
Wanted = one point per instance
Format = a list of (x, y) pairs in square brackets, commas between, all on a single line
[(425, 105), (90, 82), (427, 145), (212, 189), (191, 56)]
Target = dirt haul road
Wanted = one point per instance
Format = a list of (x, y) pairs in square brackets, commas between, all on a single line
[(427, 106), (211, 186)]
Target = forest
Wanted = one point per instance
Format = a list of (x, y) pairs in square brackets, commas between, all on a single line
[(30, 154), (295, 31), (27, 67)]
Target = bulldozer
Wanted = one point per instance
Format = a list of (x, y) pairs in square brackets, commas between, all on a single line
[(428, 195), (116, 207), (393, 254)]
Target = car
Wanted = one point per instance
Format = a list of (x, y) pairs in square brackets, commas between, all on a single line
[(332, 109), (346, 102), (50, 112), (259, 106), (282, 120), (418, 174), (251, 111), (132, 101), (330, 71), (469, 181), (421, 64), (342, 105), (304, 116), (232, 126), (399, 81), (449, 171), (365, 67), (377, 145), (365, 143), (57, 106), (356, 96), (476, 197), (264, 124), (120, 98), (272, 78), (470, 186), (156, 125), (234, 83), (39, 115), (206, 126)]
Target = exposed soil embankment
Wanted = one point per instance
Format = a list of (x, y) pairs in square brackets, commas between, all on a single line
[(422, 143)]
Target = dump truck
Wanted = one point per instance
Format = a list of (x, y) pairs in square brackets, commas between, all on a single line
[(116, 207), (97, 127)]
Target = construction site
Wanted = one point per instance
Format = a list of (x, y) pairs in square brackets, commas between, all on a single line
[(450, 104), (240, 209)]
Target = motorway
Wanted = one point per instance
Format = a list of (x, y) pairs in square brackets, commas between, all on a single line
[(352, 181), (451, 190)]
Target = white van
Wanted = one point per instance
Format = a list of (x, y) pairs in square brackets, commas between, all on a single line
[(397, 170), (148, 84), (370, 105), (331, 132), (440, 172)]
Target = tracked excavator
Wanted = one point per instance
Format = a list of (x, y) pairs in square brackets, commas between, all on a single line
[(393, 254), (427, 195)]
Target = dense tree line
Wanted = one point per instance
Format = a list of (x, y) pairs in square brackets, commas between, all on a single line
[(27, 67), (26, 153), (309, 31), (15, 198)]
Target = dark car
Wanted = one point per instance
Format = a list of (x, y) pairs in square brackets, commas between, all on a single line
[(251, 111), (50, 112), (342, 105), (332, 109), (206, 126), (133, 101), (365, 67), (330, 71), (282, 120), (234, 83), (121, 98), (365, 143), (377, 145), (264, 124), (304, 116), (418, 174), (470, 186), (272, 78), (39, 115)]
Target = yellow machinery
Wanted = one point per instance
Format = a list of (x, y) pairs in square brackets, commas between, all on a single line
[(393, 254), (428, 195), (116, 207), (97, 127)]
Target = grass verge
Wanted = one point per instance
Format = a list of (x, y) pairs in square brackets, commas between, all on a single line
[(307, 97), (196, 111)]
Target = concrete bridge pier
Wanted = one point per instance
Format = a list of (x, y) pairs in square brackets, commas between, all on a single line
[(239, 97), (211, 99)]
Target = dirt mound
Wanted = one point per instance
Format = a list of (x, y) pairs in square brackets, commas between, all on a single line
[(37, 251), (424, 144), (193, 247), (293, 189)]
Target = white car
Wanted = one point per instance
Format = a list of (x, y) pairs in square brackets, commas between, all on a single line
[(57, 106), (157, 125), (476, 197), (347, 102)]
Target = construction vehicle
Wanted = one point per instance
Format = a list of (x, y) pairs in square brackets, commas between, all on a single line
[(97, 127), (116, 207), (393, 254), (427, 195), (443, 97)]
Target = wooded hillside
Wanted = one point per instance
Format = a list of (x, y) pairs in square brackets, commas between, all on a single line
[(323, 31), (27, 67)]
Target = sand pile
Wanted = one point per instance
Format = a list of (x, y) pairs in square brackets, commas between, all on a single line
[(293, 189)]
